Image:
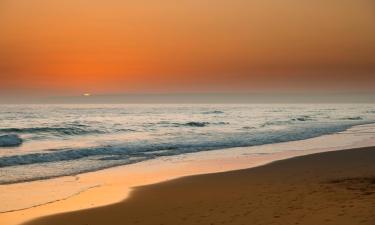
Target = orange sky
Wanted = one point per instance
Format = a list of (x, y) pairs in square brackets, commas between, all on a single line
[(113, 46)]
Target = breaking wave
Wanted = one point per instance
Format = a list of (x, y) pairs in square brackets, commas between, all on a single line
[(148, 150), (63, 140)]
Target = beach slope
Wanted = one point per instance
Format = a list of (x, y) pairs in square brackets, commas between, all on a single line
[(324, 188)]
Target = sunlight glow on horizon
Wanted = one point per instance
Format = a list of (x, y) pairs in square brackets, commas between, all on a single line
[(186, 46)]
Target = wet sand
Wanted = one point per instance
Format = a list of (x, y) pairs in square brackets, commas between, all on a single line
[(325, 188)]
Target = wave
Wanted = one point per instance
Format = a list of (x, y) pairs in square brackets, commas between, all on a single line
[(288, 122), (214, 112), (192, 124), (10, 140), (196, 124), (64, 162), (276, 123), (352, 118), (203, 124), (248, 128), (302, 118), (148, 150), (57, 130)]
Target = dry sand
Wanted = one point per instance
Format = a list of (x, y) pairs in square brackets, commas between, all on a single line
[(324, 188)]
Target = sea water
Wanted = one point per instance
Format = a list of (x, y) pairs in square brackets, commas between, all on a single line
[(45, 141)]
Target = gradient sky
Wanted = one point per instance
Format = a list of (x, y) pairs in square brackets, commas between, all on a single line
[(69, 47)]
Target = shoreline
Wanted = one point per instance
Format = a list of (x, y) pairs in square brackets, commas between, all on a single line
[(140, 174), (26, 179), (335, 187)]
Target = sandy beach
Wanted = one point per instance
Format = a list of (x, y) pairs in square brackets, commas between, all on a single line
[(324, 188)]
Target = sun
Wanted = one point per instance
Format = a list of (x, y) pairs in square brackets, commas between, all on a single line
[(87, 94)]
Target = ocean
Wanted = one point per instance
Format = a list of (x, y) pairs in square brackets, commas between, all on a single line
[(45, 141)]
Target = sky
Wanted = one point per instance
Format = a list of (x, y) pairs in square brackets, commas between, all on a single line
[(72, 47)]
